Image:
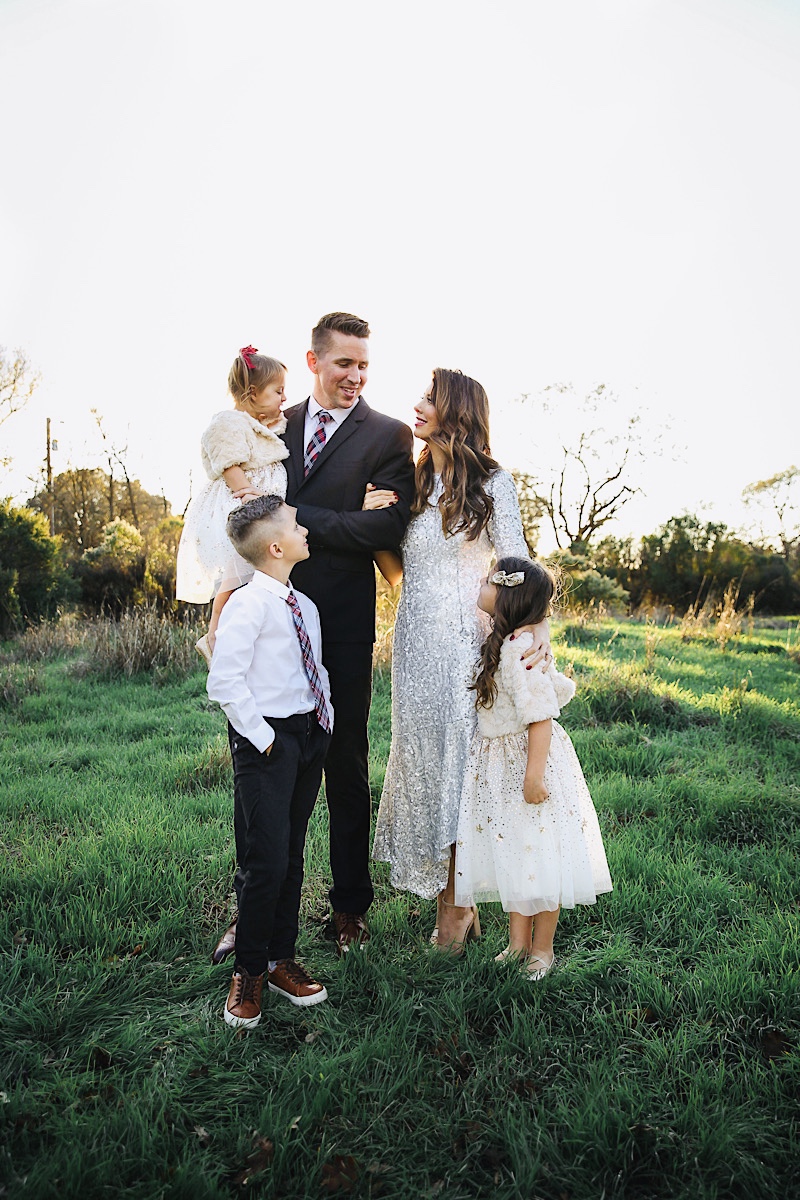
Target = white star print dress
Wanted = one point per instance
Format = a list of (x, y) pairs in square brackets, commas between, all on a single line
[(532, 857)]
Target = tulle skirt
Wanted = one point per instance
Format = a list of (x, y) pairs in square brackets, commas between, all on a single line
[(531, 857), (207, 562)]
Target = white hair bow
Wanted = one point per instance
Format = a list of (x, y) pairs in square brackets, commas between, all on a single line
[(514, 579)]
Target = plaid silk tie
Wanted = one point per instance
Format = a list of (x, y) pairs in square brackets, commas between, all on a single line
[(309, 665), (315, 446)]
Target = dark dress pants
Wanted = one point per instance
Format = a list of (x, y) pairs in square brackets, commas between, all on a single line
[(274, 796), (349, 666)]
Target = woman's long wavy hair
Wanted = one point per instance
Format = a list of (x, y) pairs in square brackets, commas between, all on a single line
[(526, 604), (244, 383), (462, 410)]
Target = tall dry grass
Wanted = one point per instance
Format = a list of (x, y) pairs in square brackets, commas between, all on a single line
[(387, 601), (720, 620), (140, 641), (16, 682), (46, 641)]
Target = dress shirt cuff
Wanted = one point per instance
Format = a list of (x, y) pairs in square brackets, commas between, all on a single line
[(261, 736)]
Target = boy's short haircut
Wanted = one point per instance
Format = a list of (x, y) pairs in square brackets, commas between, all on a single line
[(336, 323), (243, 524)]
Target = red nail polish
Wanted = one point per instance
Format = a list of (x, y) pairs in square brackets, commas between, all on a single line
[(529, 668), (512, 637)]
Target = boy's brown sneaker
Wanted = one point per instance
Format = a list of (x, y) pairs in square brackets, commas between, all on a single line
[(243, 1006), (291, 980)]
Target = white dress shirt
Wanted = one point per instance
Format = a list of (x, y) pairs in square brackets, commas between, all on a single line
[(257, 665), (338, 417)]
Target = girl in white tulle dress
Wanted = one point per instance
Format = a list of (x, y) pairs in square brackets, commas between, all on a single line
[(528, 833), (242, 452)]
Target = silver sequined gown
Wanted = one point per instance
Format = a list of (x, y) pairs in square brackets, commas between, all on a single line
[(437, 640)]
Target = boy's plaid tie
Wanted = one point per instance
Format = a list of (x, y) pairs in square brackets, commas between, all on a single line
[(314, 447), (309, 666)]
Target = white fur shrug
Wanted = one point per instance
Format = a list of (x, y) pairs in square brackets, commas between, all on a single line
[(235, 439), (523, 697)]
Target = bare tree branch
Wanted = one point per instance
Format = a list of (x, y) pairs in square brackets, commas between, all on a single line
[(781, 493), (18, 382), (116, 454), (587, 483)]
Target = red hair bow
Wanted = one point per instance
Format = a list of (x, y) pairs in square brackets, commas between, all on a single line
[(246, 352)]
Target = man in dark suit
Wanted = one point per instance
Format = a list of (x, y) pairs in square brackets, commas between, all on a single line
[(338, 445)]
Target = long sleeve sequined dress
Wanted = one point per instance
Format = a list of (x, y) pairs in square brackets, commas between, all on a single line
[(437, 641)]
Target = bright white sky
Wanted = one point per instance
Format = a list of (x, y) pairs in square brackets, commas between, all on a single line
[(533, 192)]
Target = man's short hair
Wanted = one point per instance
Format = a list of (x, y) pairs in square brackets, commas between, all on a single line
[(243, 524), (336, 323)]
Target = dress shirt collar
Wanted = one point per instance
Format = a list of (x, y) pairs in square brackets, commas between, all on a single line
[(338, 415), (270, 584)]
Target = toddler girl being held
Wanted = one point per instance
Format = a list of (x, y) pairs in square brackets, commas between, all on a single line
[(528, 833), (242, 452)]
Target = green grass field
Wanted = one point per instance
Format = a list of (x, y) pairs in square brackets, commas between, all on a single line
[(662, 1058)]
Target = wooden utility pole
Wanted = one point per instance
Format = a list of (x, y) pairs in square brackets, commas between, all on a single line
[(50, 484)]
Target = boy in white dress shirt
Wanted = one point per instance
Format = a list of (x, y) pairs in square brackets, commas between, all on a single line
[(267, 675)]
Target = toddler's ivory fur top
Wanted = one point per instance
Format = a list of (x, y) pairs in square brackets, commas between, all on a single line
[(235, 439)]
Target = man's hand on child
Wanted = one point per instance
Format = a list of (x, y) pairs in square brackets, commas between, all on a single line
[(533, 790)]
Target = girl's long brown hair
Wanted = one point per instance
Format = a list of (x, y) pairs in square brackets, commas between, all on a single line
[(462, 410), (526, 604)]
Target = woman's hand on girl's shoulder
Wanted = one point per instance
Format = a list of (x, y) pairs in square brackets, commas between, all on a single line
[(540, 651)]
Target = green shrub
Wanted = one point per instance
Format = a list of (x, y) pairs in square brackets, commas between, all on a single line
[(583, 586), (32, 576), (112, 575), (129, 568)]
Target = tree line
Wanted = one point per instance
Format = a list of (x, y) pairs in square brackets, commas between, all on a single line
[(110, 563), (110, 549), (97, 537), (685, 562)]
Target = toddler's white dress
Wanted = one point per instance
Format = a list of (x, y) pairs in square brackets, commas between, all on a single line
[(531, 857), (207, 562)]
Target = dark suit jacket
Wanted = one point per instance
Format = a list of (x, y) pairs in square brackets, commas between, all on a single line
[(339, 576)]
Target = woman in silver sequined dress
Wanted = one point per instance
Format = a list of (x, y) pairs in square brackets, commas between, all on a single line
[(465, 514)]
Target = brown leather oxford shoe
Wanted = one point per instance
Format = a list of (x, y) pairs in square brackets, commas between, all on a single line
[(351, 932), (225, 946)]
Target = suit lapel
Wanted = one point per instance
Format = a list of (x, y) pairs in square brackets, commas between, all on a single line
[(344, 432), (293, 439)]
